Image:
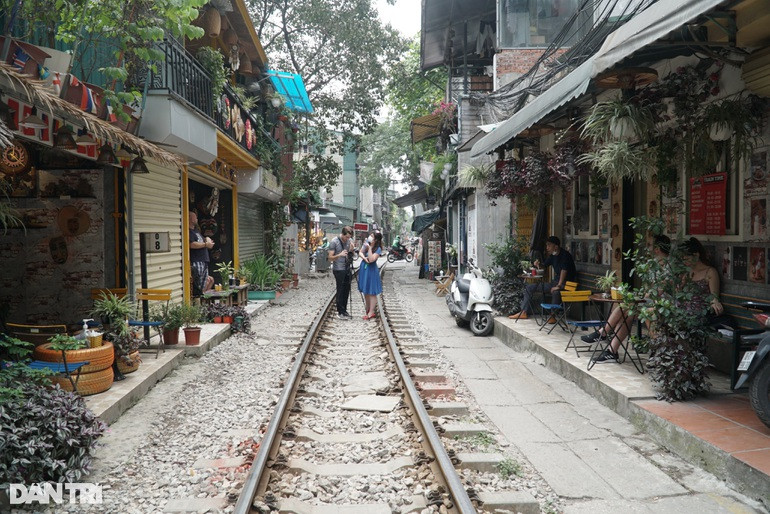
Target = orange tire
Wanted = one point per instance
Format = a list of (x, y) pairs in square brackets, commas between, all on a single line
[(98, 358), (87, 383)]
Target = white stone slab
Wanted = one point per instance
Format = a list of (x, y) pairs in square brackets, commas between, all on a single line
[(372, 403)]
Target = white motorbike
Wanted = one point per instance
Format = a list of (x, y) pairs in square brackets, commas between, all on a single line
[(470, 301)]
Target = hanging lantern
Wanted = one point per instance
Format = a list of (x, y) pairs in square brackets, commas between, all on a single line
[(245, 67), (211, 22)]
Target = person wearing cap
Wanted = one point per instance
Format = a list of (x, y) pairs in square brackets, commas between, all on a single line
[(563, 271)]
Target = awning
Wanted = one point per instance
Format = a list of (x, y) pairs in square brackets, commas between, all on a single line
[(291, 87), (483, 131), (643, 29), (424, 221), (425, 127), (417, 196)]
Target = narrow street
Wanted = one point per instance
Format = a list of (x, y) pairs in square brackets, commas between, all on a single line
[(185, 445)]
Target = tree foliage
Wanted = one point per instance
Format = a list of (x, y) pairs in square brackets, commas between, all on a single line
[(311, 174), (389, 150), (121, 32), (340, 49)]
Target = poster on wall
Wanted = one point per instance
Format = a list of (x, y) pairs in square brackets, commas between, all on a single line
[(739, 263), (671, 217), (727, 260), (755, 198), (708, 201), (604, 223), (757, 265)]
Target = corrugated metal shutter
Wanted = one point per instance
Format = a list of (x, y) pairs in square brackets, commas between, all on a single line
[(157, 207), (251, 227)]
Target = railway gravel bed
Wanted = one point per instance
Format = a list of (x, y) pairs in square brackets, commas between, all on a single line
[(187, 444)]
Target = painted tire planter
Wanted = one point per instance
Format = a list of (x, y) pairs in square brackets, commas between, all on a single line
[(126, 368), (261, 295), (88, 383), (98, 358)]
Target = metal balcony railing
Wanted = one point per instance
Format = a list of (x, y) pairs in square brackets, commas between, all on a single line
[(181, 75)]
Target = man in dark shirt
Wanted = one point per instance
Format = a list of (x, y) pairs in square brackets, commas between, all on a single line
[(563, 270), (339, 248), (199, 257)]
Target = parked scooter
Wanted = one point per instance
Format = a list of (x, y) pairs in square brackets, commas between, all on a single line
[(470, 301), (397, 254), (756, 364)]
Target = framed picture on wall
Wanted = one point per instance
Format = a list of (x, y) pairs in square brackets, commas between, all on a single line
[(757, 265), (740, 266)]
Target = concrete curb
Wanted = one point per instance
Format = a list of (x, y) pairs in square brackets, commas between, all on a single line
[(736, 473)]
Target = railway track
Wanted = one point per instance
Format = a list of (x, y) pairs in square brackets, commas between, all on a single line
[(350, 431)]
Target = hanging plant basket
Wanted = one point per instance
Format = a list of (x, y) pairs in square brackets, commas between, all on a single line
[(719, 132)]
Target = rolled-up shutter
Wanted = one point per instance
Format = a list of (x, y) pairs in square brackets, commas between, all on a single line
[(251, 227), (157, 207)]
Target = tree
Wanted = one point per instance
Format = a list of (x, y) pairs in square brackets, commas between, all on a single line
[(411, 93), (340, 49), (124, 29)]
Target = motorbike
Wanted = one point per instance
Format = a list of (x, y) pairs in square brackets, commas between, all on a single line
[(755, 364), (470, 301), (397, 254)]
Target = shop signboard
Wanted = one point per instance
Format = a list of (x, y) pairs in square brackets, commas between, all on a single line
[(708, 201)]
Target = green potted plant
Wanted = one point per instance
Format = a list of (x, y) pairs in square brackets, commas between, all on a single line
[(607, 282), (225, 271), (127, 358), (112, 309), (213, 62), (171, 316), (262, 277), (191, 316)]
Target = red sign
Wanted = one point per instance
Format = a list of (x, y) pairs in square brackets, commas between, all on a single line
[(361, 226), (708, 204)]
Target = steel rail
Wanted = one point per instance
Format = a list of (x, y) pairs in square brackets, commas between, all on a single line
[(251, 484), (452, 479)]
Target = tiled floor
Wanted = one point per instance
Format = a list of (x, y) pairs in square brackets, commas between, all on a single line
[(724, 420)]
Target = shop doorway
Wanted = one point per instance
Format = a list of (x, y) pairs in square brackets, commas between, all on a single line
[(214, 208)]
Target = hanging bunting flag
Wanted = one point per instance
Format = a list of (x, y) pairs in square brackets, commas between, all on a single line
[(111, 116), (43, 72), (56, 82), (87, 101), (20, 58)]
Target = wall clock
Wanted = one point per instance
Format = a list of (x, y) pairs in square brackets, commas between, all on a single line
[(15, 159)]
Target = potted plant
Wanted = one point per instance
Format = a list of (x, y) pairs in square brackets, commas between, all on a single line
[(214, 312), (95, 377), (225, 271), (127, 359), (227, 314), (170, 315), (262, 277), (607, 282), (112, 309), (213, 62), (191, 315)]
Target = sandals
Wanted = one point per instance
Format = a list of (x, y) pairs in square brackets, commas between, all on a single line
[(367, 316)]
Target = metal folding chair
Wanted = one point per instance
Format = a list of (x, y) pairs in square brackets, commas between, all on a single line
[(150, 295), (559, 310)]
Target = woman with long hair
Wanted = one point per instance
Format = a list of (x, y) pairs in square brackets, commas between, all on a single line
[(369, 282), (706, 277)]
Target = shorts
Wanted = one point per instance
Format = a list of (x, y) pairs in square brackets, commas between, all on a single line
[(200, 272)]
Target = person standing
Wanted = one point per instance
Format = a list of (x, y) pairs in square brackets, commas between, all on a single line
[(199, 256), (339, 248), (369, 282), (563, 271)]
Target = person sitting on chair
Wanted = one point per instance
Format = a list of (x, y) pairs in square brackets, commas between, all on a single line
[(563, 271)]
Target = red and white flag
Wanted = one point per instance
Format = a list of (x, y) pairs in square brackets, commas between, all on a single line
[(56, 83)]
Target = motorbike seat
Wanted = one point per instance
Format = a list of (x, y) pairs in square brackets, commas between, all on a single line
[(463, 285)]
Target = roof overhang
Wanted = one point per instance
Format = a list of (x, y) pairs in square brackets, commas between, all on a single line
[(417, 196), (37, 94), (425, 127), (231, 152), (650, 25), (443, 30)]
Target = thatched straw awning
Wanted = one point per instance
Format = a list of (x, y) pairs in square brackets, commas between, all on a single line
[(38, 94)]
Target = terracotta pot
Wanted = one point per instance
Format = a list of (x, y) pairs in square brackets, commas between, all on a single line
[(285, 283), (171, 337), (227, 319), (217, 319), (192, 336)]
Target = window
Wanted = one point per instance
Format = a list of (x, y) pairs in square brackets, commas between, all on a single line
[(585, 208), (536, 23)]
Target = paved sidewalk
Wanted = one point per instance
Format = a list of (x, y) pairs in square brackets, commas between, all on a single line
[(595, 436)]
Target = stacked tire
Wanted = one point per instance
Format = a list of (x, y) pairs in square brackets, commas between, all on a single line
[(95, 377)]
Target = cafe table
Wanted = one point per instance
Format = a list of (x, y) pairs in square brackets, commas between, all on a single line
[(599, 301)]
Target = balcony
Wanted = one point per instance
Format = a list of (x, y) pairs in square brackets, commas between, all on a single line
[(246, 133)]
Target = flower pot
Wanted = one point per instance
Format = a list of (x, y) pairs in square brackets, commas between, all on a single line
[(227, 319), (622, 128), (171, 336), (615, 292), (192, 336), (217, 319), (261, 295), (285, 283), (134, 356)]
